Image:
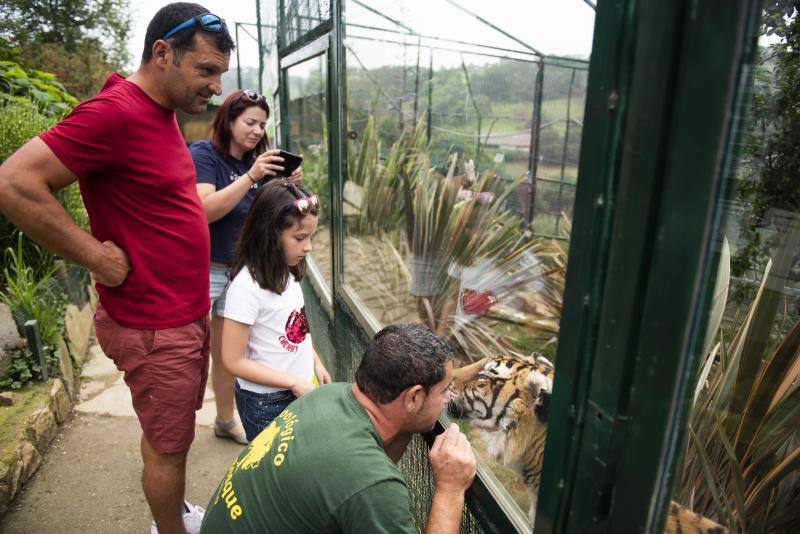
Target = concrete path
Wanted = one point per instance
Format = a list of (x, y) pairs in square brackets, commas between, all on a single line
[(90, 479)]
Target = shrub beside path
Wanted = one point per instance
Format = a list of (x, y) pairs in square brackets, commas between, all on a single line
[(89, 481)]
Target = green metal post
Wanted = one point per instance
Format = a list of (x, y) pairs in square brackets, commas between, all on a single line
[(400, 121), (260, 48), (300, 119), (430, 97), (35, 346), (337, 154), (564, 152), (662, 90), (281, 35), (283, 78), (536, 125), (238, 59), (477, 111), (416, 86)]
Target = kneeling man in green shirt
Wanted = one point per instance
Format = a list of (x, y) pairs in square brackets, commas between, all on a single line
[(328, 462)]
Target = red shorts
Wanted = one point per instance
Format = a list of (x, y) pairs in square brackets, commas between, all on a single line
[(166, 371)]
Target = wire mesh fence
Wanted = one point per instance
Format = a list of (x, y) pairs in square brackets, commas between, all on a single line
[(301, 18), (493, 108)]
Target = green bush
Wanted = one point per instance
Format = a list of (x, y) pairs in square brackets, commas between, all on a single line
[(25, 368), (33, 282), (18, 124), (33, 89), (30, 296)]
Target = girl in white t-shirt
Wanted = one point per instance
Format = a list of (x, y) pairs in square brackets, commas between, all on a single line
[(265, 339)]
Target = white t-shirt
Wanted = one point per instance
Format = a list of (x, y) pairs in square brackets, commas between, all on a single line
[(279, 337)]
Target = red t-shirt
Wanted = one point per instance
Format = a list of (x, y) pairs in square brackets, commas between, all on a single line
[(138, 183)]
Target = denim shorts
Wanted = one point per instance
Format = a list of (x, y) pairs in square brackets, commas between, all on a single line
[(257, 410), (218, 287)]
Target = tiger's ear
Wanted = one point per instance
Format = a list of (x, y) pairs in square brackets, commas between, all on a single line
[(468, 372), (542, 406), (540, 394)]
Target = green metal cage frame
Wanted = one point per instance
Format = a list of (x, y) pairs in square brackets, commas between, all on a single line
[(660, 125)]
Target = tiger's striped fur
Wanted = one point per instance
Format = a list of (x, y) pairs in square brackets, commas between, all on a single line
[(507, 398)]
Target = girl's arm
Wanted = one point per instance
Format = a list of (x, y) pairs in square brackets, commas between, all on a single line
[(322, 374), (234, 344)]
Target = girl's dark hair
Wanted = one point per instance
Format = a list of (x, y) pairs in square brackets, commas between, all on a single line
[(259, 245), (221, 127)]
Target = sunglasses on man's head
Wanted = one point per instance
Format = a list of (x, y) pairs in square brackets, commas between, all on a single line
[(304, 205), (250, 95), (206, 21)]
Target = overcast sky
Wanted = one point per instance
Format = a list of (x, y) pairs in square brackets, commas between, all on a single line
[(561, 27)]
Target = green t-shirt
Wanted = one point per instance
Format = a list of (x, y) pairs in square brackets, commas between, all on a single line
[(319, 467)]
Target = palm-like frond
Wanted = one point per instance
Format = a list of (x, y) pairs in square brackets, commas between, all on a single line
[(742, 466)]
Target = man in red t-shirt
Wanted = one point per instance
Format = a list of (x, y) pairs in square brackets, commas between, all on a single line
[(149, 243)]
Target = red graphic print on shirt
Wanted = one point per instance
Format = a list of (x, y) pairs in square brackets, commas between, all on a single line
[(297, 326)]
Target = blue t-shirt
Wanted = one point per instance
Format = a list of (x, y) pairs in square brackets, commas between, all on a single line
[(221, 172)]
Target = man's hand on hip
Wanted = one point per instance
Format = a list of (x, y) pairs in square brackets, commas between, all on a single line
[(453, 461), (114, 268)]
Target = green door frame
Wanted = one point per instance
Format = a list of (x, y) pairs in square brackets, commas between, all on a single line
[(662, 94), (660, 117)]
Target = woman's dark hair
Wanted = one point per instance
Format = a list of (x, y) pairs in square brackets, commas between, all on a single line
[(172, 15), (401, 356), (259, 245), (228, 112)]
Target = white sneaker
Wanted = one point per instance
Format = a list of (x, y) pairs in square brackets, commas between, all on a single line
[(192, 519)]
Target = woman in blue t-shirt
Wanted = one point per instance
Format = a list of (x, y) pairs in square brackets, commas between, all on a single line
[(231, 166)]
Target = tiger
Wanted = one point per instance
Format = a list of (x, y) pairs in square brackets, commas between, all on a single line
[(507, 400)]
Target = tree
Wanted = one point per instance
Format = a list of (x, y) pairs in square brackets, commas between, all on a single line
[(80, 41), (770, 184)]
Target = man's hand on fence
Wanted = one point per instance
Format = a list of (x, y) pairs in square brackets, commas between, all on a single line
[(453, 461)]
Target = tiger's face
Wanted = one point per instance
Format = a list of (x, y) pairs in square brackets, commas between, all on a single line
[(499, 393), (507, 399)]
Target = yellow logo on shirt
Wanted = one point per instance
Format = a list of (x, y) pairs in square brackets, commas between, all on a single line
[(256, 451), (226, 492), (259, 447), (287, 436)]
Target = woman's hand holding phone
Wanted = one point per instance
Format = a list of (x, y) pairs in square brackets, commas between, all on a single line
[(292, 170), (269, 163), (297, 176)]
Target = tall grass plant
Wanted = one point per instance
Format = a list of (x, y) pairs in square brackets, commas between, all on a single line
[(742, 464)]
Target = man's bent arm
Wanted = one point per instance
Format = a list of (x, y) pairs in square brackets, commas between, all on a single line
[(445, 513), (27, 181), (453, 464)]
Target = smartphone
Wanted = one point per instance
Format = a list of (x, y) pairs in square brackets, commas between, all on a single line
[(290, 163)]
